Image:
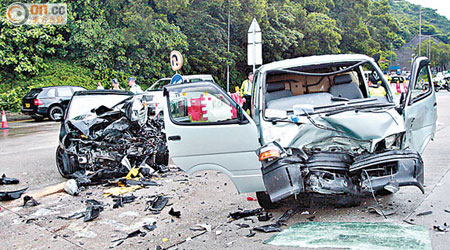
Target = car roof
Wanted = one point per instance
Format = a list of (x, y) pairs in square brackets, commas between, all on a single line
[(103, 92), (314, 60), (59, 86)]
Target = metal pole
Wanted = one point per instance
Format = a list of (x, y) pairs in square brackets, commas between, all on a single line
[(420, 30), (228, 49)]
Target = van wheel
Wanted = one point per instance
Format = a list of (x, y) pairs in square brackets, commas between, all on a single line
[(265, 202), (63, 164), (56, 113)]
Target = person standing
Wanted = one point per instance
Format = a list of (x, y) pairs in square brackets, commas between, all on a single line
[(115, 84), (136, 89), (246, 91), (100, 86)]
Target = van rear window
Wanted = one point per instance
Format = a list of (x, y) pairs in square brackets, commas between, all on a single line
[(33, 93)]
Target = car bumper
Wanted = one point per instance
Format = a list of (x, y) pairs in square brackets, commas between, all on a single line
[(335, 174)]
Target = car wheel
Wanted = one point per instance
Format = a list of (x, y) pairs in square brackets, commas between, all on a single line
[(265, 202), (56, 113), (65, 167)]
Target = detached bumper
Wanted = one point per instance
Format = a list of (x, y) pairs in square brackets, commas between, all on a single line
[(391, 169), (333, 173)]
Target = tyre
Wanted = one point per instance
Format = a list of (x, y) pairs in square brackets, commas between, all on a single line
[(56, 113), (265, 202), (63, 164)]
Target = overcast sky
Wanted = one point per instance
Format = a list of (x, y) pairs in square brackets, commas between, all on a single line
[(442, 6)]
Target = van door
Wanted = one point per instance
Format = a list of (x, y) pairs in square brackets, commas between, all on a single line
[(207, 130), (420, 107)]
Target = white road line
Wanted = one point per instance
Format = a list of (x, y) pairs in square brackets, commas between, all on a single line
[(26, 150)]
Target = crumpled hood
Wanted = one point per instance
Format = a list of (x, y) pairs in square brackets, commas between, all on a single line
[(360, 130)]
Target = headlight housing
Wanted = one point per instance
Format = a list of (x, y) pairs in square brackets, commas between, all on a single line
[(393, 141)]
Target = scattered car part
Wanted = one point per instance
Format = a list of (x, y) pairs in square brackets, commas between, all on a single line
[(265, 216), (76, 215), (11, 195), (29, 201), (250, 234), (276, 227), (424, 213), (175, 213), (443, 228), (157, 203), (245, 213), (150, 227), (71, 187), (7, 180), (120, 200)]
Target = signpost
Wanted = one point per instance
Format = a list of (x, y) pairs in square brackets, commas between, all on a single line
[(176, 62), (254, 47)]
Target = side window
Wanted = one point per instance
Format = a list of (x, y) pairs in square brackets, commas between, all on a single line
[(51, 93), (422, 85), (64, 92), (201, 105)]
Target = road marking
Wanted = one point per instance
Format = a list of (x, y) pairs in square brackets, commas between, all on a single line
[(30, 149)]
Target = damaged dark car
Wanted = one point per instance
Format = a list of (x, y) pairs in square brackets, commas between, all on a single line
[(319, 127), (107, 133)]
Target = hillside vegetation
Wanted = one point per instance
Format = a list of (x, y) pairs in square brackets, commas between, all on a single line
[(117, 39)]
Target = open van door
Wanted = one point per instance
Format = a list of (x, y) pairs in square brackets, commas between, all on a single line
[(207, 130), (420, 107)]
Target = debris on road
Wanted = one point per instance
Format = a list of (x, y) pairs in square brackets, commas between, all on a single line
[(250, 234), (175, 213), (76, 215), (245, 213), (265, 216), (93, 210), (381, 211), (424, 213), (120, 200), (251, 199), (29, 201), (443, 228), (156, 204), (201, 227), (71, 187), (7, 180), (11, 195), (276, 227), (116, 191), (135, 233), (150, 227)]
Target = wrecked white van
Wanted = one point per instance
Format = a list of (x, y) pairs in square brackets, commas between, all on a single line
[(318, 126)]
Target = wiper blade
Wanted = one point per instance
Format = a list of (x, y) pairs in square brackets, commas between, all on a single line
[(358, 108)]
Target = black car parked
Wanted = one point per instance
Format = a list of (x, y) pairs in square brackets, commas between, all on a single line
[(48, 101)]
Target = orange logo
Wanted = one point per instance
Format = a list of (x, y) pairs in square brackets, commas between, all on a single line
[(17, 13)]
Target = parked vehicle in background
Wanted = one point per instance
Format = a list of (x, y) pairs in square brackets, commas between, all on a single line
[(443, 84), (50, 102), (315, 126), (153, 96)]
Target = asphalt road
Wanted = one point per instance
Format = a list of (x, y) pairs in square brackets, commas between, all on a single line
[(27, 152)]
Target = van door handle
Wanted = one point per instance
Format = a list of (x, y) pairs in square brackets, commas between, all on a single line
[(174, 138)]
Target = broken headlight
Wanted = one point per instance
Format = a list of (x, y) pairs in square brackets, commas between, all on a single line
[(393, 141)]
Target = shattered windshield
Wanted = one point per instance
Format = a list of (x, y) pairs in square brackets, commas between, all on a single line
[(325, 88), (84, 104)]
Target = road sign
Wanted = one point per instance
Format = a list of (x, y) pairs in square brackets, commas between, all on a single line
[(176, 60), (254, 47), (177, 78)]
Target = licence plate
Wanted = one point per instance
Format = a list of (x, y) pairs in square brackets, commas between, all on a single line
[(27, 105)]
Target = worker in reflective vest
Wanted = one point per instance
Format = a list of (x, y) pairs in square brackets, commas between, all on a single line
[(246, 91)]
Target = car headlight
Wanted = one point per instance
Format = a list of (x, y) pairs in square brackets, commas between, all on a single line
[(393, 141)]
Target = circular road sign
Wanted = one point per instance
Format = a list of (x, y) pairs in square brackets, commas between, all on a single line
[(176, 60)]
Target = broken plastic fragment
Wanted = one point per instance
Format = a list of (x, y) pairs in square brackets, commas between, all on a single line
[(382, 212), (150, 227), (7, 181), (175, 213), (28, 201), (71, 187), (201, 227), (76, 215), (443, 228), (92, 212), (12, 195), (265, 216), (157, 204), (251, 199), (288, 214), (424, 213), (120, 200), (142, 182), (269, 228), (245, 213)]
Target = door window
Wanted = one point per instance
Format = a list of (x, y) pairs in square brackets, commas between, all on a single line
[(64, 92), (201, 105), (51, 93), (422, 85)]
